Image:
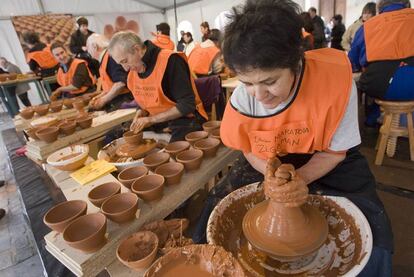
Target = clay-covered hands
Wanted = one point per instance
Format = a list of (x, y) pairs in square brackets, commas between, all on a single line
[(283, 185), (55, 95), (141, 121)]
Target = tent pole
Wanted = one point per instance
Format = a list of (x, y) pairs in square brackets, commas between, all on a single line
[(41, 6), (175, 14)]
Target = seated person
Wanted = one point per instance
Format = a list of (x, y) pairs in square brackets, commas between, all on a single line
[(74, 76), (162, 37), (113, 76)]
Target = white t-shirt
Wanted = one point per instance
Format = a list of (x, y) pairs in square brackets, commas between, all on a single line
[(346, 136)]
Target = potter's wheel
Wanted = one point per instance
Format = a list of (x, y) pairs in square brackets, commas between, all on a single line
[(344, 253)]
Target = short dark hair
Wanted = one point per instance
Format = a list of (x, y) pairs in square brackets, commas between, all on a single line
[(205, 25), (371, 8), (313, 9), (164, 28), (188, 34), (264, 34), (338, 18), (56, 45), (307, 22), (31, 37), (82, 21)]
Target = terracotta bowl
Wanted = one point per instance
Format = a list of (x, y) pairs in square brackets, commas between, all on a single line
[(132, 138), (69, 158), (191, 159), (209, 146), (130, 174), (138, 251), (27, 113), (149, 187), (44, 121), (31, 132), (41, 109), (67, 127), (86, 233), (211, 125), (48, 134), (84, 121), (215, 134), (86, 99), (68, 103), (59, 216), (99, 194), (79, 104), (152, 161), (120, 207), (195, 136), (176, 147), (172, 172), (56, 106)]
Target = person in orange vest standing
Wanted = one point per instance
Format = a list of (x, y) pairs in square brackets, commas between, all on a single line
[(205, 58), (299, 108), (113, 76), (162, 37), (74, 76), (161, 84)]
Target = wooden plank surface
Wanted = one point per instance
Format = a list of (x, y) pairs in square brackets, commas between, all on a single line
[(83, 264), (20, 123)]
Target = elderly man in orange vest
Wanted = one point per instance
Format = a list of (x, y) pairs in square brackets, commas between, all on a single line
[(74, 76), (161, 84), (162, 37)]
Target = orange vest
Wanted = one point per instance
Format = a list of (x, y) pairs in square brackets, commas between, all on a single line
[(106, 79), (163, 42), (309, 123), (308, 35), (148, 92), (390, 35), (65, 79), (201, 59), (44, 58)]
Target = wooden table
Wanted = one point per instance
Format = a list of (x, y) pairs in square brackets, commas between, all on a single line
[(47, 81), (82, 264), (230, 84)]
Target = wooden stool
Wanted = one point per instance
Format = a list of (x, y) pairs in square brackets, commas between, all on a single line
[(391, 129)]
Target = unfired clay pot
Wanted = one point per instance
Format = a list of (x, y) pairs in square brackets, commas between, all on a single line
[(191, 159), (78, 104), (67, 127), (48, 134), (59, 216), (215, 134), (42, 109), (68, 103), (132, 138), (120, 207), (84, 121), (56, 106), (195, 136), (138, 251), (154, 160), (130, 174), (209, 126), (176, 147), (209, 146), (27, 113), (86, 233), (171, 171), (149, 187), (99, 194), (31, 132)]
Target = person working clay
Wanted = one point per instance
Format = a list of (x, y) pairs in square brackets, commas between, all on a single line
[(74, 76), (113, 76), (301, 107), (161, 84), (162, 37)]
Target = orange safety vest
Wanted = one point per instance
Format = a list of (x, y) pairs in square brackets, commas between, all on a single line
[(309, 123), (163, 42), (106, 79), (390, 35), (148, 92), (65, 79), (44, 58), (308, 35), (201, 59)]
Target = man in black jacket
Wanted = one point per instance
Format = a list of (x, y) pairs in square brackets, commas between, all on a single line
[(318, 29)]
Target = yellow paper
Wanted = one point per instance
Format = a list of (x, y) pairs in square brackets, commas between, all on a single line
[(92, 171)]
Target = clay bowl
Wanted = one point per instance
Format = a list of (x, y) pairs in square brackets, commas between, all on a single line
[(86, 233), (69, 158), (48, 134), (42, 109), (152, 161), (130, 174), (171, 171), (209, 146), (132, 138), (78, 104), (99, 194), (56, 106), (68, 103), (84, 121), (86, 99), (120, 207), (211, 125), (195, 136), (149, 187), (176, 147), (27, 113), (191, 159), (59, 216), (67, 127), (31, 132), (215, 134), (138, 251)]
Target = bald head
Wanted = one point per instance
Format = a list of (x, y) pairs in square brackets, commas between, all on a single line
[(96, 43)]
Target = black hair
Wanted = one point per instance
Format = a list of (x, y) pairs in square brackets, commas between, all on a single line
[(264, 34), (313, 9), (215, 35), (164, 28), (338, 18), (307, 22), (82, 21), (56, 45), (371, 8), (188, 34), (31, 37)]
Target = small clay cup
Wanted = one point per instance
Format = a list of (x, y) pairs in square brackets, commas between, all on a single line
[(67, 127), (154, 160), (79, 104), (86, 99), (149, 187), (49, 134), (132, 138), (176, 147), (215, 134), (27, 113), (130, 174), (171, 171), (86, 233), (84, 121), (42, 109), (59, 216), (31, 132), (195, 136), (68, 103), (211, 125), (120, 207), (138, 251), (191, 159), (209, 146), (56, 106), (99, 194)]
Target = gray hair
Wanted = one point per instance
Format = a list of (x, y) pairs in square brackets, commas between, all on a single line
[(127, 40), (99, 40), (383, 3)]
